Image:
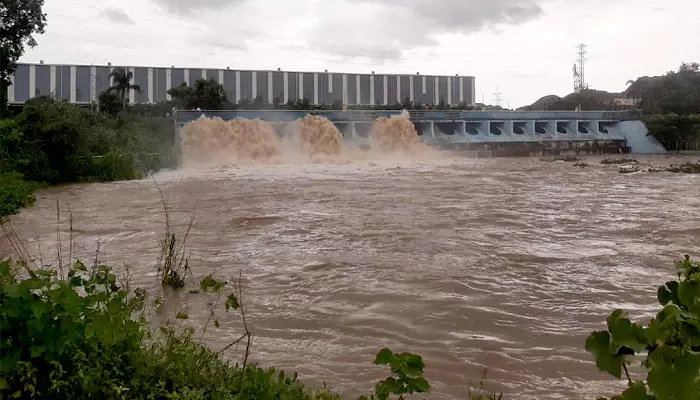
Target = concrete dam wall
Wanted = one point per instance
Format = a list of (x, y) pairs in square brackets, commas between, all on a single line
[(621, 131)]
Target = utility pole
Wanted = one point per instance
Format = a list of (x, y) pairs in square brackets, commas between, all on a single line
[(497, 97)]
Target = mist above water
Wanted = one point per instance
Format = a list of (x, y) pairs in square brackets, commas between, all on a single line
[(312, 139)]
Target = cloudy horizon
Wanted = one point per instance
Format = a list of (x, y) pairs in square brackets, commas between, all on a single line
[(525, 49)]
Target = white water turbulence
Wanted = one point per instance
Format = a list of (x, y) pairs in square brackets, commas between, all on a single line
[(209, 142)]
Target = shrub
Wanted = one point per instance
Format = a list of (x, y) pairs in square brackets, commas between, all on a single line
[(670, 342), (54, 142), (15, 193), (86, 337), (406, 376)]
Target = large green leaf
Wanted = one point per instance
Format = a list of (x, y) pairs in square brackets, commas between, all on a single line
[(674, 376), (422, 386), (688, 293), (384, 357), (668, 293), (625, 333), (606, 359), (635, 391), (664, 326)]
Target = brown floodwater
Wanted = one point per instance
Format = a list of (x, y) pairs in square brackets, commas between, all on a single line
[(505, 264)]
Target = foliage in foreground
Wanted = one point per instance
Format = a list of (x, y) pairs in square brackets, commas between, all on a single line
[(86, 337), (670, 342)]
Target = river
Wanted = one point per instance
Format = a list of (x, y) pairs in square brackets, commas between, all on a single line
[(505, 264)]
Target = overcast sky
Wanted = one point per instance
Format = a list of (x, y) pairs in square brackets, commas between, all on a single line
[(526, 48)]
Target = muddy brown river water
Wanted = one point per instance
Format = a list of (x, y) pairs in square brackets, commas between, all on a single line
[(505, 264)]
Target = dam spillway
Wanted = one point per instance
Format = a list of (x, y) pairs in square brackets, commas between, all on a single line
[(499, 132)]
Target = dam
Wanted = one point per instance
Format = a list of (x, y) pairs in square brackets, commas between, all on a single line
[(499, 133)]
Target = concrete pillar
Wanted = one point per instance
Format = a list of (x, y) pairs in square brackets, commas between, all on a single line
[(386, 90), (315, 88), (254, 78), (32, 81), (238, 86), (168, 83), (93, 84), (285, 78), (270, 93), (151, 98), (52, 81), (73, 75)]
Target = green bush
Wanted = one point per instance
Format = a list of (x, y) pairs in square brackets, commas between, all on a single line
[(406, 376), (54, 142), (86, 337), (15, 193), (670, 342)]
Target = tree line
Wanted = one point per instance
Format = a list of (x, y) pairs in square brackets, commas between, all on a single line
[(208, 94)]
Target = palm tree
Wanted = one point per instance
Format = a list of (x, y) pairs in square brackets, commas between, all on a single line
[(121, 80)]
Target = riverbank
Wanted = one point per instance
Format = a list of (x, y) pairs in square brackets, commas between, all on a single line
[(52, 142)]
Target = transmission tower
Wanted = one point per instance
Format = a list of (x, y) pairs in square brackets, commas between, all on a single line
[(580, 69), (497, 97)]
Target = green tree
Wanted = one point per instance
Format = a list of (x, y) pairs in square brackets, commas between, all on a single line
[(205, 94), (110, 103), (20, 20), (121, 80)]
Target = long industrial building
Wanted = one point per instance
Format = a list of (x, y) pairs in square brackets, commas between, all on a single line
[(82, 84)]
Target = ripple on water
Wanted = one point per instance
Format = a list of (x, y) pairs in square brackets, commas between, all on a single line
[(504, 264)]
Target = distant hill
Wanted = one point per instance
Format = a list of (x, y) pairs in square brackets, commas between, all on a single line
[(676, 91), (488, 107), (588, 100)]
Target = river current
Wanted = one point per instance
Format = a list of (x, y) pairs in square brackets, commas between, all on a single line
[(504, 264)]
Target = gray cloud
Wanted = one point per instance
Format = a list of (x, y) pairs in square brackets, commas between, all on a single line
[(186, 7), (117, 15), (379, 30), (385, 28)]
